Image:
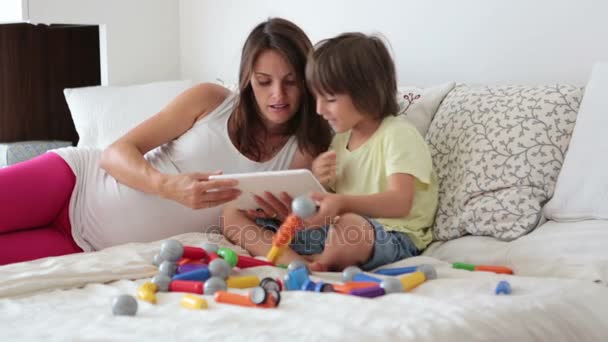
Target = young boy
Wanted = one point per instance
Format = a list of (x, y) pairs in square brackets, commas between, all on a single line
[(378, 167)]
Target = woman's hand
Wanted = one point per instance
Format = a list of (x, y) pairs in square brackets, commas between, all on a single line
[(273, 206), (196, 191), (330, 207), (324, 168)]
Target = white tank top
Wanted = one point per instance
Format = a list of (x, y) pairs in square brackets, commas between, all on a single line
[(104, 212)]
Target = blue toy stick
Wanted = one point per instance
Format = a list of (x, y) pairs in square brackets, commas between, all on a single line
[(397, 271)]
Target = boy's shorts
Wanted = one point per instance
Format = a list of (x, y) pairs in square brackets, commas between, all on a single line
[(389, 246)]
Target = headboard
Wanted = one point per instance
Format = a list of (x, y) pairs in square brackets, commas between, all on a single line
[(36, 63)]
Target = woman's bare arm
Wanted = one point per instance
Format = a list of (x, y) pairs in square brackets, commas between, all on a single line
[(124, 159)]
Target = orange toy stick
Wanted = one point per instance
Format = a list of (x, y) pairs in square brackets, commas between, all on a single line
[(302, 207), (283, 237), (238, 299), (495, 269)]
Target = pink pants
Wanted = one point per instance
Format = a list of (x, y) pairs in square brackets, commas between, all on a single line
[(34, 202)]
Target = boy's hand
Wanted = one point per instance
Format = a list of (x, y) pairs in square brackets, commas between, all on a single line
[(330, 207), (324, 168)]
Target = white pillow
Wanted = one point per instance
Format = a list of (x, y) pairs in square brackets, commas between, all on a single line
[(581, 192), (102, 114), (419, 105)]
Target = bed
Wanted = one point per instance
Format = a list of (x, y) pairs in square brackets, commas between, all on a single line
[(69, 298), (555, 249)]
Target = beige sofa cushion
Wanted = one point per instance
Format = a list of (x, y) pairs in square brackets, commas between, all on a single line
[(497, 151), (419, 105)]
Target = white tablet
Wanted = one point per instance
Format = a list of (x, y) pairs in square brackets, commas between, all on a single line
[(294, 182)]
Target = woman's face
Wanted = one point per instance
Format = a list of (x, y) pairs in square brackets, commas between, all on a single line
[(276, 88)]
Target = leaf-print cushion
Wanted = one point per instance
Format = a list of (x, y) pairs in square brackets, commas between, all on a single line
[(497, 151)]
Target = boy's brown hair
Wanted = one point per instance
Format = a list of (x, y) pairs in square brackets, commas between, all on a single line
[(357, 65)]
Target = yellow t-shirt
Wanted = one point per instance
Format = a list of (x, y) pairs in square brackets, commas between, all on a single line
[(395, 147)]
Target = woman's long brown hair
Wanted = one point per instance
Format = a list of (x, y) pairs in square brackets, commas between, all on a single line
[(312, 133)]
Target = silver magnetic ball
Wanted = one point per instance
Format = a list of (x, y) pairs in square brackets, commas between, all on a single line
[(162, 281), (297, 264), (258, 295), (157, 260), (168, 268), (350, 272), (391, 285), (214, 284), (303, 207), (219, 268), (124, 305), (209, 247), (429, 271), (171, 250)]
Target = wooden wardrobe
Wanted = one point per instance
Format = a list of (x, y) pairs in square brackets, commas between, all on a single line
[(36, 63)]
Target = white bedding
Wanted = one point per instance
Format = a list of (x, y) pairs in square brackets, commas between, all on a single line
[(555, 249), (459, 305)]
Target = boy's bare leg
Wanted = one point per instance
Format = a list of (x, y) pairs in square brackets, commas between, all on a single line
[(242, 231), (350, 242)]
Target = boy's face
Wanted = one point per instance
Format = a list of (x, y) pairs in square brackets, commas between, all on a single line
[(339, 111)]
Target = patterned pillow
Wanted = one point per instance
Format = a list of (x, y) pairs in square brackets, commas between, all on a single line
[(419, 105), (497, 151)]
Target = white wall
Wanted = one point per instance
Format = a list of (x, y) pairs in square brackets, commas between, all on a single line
[(13, 10), (140, 39), (474, 41)]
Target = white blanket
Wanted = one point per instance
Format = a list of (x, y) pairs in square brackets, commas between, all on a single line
[(459, 305), (555, 249)]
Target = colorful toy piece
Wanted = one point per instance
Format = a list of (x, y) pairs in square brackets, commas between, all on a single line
[(209, 287), (352, 285), (245, 261), (200, 274), (297, 264), (220, 268), (302, 208), (354, 273), (311, 286), (194, 253), (214, 284), (190, 286), (217, 268), (412, 280), (486, 268), (157, 260), (190, 301), (212, 256), (397, 270), (124, 305), (243, 282), (391, 285), (147, 292), (258, 297), (503, 287), (162, 282), (167, 267), (368, 292), (189, 268), (296, 278), (229, 255), (272, 284), (171, 250), (209, 247)]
